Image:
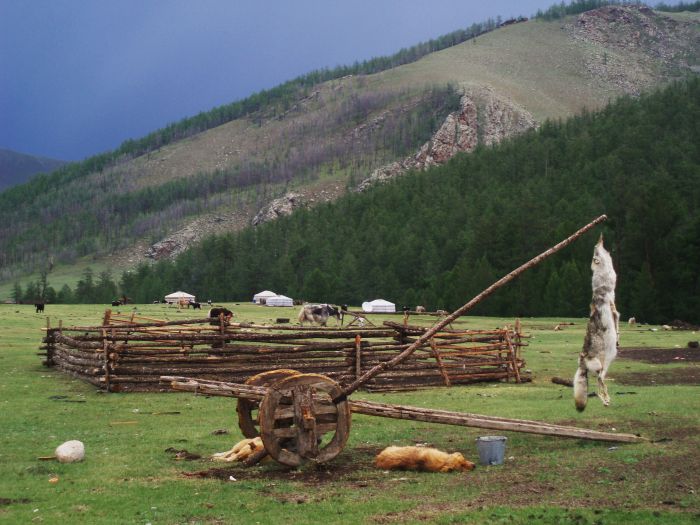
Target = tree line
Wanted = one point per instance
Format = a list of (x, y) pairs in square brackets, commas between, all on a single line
[(679, 7), (89, 289), (439, 237)]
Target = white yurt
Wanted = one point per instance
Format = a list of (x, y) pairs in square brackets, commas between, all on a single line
[(378, 305), (262, 297), (176, 297), (279, 300)]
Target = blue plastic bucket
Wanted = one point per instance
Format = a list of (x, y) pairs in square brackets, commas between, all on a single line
[(491, 449)]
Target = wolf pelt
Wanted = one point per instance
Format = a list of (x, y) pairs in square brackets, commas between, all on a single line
[(602, 332), (421, 458)]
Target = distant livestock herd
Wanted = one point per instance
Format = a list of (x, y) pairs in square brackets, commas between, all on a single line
[(318, 314)]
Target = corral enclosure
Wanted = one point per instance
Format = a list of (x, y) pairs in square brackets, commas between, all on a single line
[(130, 353)]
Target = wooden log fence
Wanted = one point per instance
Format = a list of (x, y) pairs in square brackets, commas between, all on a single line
[(130, 354)]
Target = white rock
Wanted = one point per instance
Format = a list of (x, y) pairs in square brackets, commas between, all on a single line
[(70, 451)]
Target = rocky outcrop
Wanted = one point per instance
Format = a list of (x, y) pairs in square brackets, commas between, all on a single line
[(285, 205), (483, 118), (634, 47), (178, 242), (165, 248)]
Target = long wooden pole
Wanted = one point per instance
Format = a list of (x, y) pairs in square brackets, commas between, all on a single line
[(459, 312), (479, 421), (256, 393)]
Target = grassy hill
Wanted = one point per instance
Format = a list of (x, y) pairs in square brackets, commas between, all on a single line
[(108, 211)]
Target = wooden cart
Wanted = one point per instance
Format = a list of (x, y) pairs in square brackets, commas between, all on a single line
[(307, 416)]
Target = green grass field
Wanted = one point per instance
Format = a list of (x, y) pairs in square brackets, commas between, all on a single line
[(128, 477)]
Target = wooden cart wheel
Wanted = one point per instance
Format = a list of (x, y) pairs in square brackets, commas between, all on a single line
[(297, 412), (247, 409)]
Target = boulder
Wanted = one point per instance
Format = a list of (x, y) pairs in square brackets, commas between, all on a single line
[(70, 451)]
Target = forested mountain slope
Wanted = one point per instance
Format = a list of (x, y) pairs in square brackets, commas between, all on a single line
[(18, 168), (438, 237), (318, 138)]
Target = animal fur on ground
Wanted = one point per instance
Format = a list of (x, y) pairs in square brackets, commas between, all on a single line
[(421, 458), (242, 451), (602, 332)]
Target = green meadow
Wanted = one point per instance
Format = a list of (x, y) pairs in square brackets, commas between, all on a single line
[(129, 477)]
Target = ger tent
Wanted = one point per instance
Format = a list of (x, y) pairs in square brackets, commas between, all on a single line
[(260, 298), (279, 300), (176, 297), (378, 305)]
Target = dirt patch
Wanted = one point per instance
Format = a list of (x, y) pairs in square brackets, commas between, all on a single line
[(687, 375), (660, 355), (662, 483), (684, 375), (346, 468), (683, 325), (672, 482), (182, 454), (11, 501)]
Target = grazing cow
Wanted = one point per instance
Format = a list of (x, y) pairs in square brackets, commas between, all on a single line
[(318, 313), (195, 305), (39, 307), (215, 313), (631, 321), (420, 309), (116, 303)]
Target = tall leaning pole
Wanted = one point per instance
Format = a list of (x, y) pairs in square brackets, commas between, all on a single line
[(378, 369)]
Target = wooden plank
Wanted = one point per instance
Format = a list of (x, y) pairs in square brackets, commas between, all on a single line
[(305, 421), (292, 432), (492, 423)]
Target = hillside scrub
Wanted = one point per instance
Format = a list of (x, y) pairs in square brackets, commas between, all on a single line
[(439, 237), (36, 197), (354, 131)]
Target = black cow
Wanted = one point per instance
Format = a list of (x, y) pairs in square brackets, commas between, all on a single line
[(195, 305), (39, 307), (116, 303)]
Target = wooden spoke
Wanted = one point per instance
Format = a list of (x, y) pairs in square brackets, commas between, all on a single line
[(296, 414), (247, 408)]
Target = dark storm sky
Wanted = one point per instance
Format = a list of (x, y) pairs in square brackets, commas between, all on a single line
[(80, 76)]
